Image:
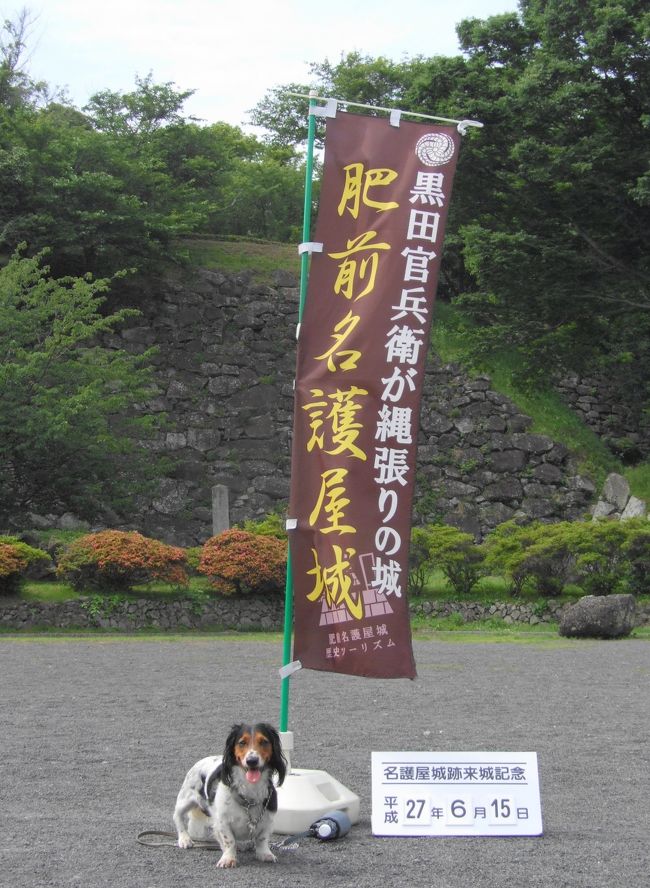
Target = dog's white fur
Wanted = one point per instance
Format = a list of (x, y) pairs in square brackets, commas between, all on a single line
[(216, 801)]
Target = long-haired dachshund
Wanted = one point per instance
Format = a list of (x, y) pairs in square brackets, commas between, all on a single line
[(233, 798)]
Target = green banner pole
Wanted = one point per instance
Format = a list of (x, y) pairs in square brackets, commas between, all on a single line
[(304, 274)]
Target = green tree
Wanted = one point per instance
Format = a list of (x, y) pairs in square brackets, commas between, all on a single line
[(139, 113), (445, 548), (121, 183), (252, 188), (67, 436), (100, 201), (548, 234), (355, 78), (16, 86), (558, 244), (543, 555), (124, 194), (262, 198), (93, 188)]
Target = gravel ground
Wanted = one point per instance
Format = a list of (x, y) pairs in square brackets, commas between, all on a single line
[(97, 735)]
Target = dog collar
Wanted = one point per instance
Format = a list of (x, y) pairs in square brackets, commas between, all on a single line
[(248, 804)]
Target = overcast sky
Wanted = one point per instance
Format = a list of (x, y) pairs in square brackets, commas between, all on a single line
[(230, 51)]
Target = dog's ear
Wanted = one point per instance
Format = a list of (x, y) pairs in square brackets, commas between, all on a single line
[(277, 761), (229, 761)]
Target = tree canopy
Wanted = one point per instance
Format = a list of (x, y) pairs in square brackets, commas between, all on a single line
[(559, 245), (117, 183), (548, 238)]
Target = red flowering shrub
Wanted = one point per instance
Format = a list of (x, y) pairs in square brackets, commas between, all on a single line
[(242, 563), (15, 559), (115, 559)]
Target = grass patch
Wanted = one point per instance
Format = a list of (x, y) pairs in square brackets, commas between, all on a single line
[(422, 625), (424, 629), (639, 480), (198, 587), (262, 258), (513, 635), (112, 636), (47, 590), (488, 590), (641, 632), (437, 588), (57, 590), (545, 640), (469, 635)]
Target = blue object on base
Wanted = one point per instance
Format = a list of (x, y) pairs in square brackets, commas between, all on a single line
[(331, 826)]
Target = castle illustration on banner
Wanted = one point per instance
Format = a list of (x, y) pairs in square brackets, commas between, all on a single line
[(375, 603)]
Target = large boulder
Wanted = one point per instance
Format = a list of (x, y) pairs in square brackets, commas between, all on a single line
[(636, 508), (599, 616), (616, 491)]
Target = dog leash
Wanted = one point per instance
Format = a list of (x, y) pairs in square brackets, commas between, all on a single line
[(147, 838), (154, 838), (330, 826)]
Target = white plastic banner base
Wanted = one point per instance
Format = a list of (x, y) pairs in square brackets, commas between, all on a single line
[(306, 795)]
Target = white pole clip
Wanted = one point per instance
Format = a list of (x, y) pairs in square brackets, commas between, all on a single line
[(310, 247), (464, 125), (290, 668), (326, 110), (395, 117)]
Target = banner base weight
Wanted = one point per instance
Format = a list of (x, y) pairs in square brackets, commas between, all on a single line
[(306, 795)]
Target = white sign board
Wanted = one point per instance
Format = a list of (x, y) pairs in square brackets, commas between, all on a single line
[(455, 794)]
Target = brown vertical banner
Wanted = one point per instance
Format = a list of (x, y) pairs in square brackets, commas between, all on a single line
[(361, 354)]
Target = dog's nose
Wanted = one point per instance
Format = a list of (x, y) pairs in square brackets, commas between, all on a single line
[(252, 760)]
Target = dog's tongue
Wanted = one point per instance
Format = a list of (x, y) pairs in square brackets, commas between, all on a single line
[(253, 775)]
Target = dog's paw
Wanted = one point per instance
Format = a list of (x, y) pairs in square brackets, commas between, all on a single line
[(226, 861), (184, 841), (266, 856)]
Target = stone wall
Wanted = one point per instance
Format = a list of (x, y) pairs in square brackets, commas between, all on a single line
[(127, 615), (249, 614), (621, 423), (478, 463), (224, 378)]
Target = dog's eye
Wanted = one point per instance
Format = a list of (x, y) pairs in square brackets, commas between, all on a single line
[(264, 742)]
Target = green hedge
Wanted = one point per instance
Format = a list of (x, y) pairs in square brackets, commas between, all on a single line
[(598, 557)]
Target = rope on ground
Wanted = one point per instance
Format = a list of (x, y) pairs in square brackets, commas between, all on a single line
[(154, 838), (149, 836)]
